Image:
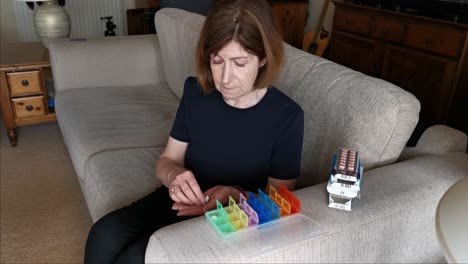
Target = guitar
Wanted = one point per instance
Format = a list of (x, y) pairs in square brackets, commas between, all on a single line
[(316, 43)]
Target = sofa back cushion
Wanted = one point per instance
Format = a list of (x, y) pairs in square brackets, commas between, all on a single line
[(178, 33), (106, 62), (345, 109)]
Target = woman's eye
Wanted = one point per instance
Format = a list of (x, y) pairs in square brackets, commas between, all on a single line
[(217, 61), (240, 65)]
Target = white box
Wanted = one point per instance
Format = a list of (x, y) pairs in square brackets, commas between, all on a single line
[(336, 189), (344, 177), (344, 188), (339, 202)]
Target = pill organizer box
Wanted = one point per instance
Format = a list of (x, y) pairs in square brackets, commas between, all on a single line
[(254, 213)]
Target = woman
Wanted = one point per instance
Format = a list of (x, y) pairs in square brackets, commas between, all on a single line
[(233, 132)]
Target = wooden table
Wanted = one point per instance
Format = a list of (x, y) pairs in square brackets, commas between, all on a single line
[(452, 222), (24, 67)]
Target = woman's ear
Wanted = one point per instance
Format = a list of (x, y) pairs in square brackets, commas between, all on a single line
[(263, 62)]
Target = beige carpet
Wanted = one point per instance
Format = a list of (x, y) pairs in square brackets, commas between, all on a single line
[(44, 218)]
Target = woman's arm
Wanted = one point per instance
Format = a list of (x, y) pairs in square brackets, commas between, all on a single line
[(290, 184), (171, 161), (182, 185)]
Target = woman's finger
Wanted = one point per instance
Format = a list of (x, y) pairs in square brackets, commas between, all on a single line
[(195, 210), (210, 205), (192, 182), (212, 190), (180, 194), (191, 192), (190, 195), (215, 193), (182, 206), (173, 196)]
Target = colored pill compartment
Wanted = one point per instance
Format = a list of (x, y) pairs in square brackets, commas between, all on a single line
[(236, 216), (263, 213), (251, 214), (220, 220), (283, 204), (293, 201), (269, 204)]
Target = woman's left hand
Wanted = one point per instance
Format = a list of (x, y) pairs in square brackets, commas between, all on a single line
[(219, 192)]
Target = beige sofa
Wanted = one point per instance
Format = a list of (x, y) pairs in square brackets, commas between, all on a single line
[(116, 101)]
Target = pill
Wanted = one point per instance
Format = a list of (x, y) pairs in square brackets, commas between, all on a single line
[(214, 217), (207, 198)]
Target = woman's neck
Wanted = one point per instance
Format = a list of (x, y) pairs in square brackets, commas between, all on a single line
[(248, 100)]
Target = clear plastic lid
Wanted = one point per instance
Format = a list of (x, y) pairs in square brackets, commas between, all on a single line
[(263, 238)]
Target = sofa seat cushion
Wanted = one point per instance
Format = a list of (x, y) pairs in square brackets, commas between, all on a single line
[(116, 178), (108, 118)]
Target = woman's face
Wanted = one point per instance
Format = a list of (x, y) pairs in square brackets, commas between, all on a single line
[(234, 70)]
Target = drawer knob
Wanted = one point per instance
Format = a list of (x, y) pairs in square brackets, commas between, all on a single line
[(25, 82), (29, 108)]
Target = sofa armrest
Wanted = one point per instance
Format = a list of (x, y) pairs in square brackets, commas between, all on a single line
[(106, 62), (438, 139), (392, 222)]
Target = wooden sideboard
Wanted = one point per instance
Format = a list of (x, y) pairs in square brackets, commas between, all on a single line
[(424, 56), (24, 69)]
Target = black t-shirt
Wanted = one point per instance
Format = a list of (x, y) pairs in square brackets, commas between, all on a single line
[(243, 147)]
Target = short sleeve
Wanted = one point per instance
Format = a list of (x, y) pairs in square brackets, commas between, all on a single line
[(180, 129), (287, 151)]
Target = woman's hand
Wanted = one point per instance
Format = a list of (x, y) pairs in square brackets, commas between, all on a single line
[(219, 192), (184, 189)]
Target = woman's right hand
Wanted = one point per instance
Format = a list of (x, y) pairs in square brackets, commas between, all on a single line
[(218, 193), (184, 189)]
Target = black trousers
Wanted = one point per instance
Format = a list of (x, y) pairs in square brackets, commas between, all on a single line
[(122, 235)]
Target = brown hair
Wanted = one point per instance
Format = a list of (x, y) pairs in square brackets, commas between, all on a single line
[(251, 24)]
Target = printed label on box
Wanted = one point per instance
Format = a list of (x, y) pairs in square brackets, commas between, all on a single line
[(338, 202)]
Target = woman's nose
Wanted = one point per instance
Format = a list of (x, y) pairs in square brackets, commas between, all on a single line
[(227, 74)]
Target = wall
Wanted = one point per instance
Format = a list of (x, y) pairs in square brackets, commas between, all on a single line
[(8, 27)]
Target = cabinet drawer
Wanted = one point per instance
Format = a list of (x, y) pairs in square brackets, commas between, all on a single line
[(354, 52), (442, 40), (24, 83), (427, 77), (29, 106), (352, 21), (388, 29)]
